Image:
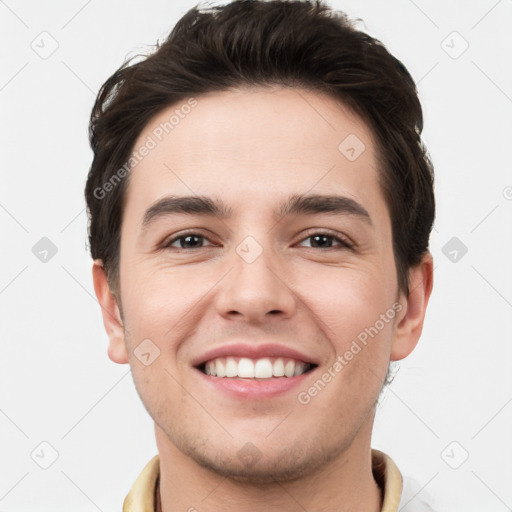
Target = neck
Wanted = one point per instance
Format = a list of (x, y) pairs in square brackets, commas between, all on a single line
[(344, 484)]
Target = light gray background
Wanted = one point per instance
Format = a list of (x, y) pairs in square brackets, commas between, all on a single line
[(451, 398)]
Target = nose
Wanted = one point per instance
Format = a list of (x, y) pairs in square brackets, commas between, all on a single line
[(256, 291)]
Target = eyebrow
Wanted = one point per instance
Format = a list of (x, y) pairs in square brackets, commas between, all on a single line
[(319, 203), (295, 205)]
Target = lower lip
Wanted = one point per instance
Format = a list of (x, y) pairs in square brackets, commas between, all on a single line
[(254, 388)]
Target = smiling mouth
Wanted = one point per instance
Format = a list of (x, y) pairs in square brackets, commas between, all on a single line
[(258, 369)]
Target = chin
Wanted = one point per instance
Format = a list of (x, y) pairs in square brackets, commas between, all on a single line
[(253, 466)]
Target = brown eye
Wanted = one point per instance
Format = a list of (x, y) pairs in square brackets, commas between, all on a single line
[(189, 241), (327, 241)]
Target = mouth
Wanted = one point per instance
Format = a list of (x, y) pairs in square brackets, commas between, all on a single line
[(254, 371), (264, 368)]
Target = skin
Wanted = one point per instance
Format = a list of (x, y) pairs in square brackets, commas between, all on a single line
[(253, 148)]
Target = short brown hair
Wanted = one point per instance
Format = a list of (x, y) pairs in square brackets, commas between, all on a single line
[(294, 43)]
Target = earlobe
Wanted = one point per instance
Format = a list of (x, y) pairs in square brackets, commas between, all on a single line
[(111, 314), (409, 327)]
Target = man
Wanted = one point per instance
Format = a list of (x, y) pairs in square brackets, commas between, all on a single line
[(260, 206)]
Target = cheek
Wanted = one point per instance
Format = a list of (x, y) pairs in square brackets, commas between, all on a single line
[(164, 305), (148, 307), (356, 315), (347, 300), (155, 322)]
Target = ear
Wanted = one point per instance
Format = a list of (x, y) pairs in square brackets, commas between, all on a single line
[(111, 314), (414, 306)]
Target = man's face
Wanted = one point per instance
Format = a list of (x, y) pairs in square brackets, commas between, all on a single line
[(253, 283)]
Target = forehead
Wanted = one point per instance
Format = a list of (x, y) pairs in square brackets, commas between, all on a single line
[(255, 143)]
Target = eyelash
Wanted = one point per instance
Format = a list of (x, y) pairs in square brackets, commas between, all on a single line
[(344, 242)]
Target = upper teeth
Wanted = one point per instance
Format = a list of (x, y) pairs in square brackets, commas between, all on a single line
[(263, 368)]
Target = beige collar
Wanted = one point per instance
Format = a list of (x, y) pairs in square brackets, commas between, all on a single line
[(144, 496)]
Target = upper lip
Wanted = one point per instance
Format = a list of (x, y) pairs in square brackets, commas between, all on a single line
[(254, 352)]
